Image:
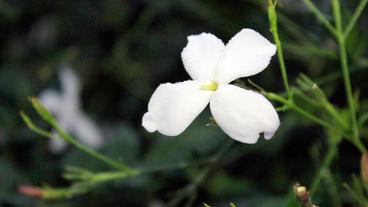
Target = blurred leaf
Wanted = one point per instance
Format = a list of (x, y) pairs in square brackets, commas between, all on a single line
[(197, 139), (224, 185), (123, 144), (9, 176)]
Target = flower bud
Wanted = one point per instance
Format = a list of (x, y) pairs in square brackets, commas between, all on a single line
[(301, 193), (364, 167), (30, 191)]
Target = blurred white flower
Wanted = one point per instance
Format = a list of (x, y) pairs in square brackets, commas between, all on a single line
[(65, 106), (240, 113)]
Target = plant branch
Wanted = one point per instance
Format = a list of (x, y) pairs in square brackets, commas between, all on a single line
[(190, 190), (345, 73), (272, 16), (320, 17), (46, 116), (353, 20), (33, 127), (294, 107), (329, 157)]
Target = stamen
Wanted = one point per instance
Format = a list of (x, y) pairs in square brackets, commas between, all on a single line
[(209, 87)]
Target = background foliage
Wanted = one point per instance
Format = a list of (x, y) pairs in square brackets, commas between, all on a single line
[(122, 49)]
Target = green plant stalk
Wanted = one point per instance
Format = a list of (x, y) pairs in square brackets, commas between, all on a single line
[(175, 166), (332, 189), (46, 116), (272, 16), (320, 17), (359, 199), (179, 165), (33, 127), (332, 111), (93, 153), (109, 176), (292, 106), (190, 190), (331, 153), (55, 193), (358, 11), (345, 73), (304, 37), (49, 193), (326, 106)]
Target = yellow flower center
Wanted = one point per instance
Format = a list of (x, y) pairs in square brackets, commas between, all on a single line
[(209, 87)]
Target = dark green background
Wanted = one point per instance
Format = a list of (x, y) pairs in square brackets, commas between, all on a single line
[(122, 50)]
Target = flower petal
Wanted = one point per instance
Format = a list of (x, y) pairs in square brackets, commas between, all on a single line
[(87, 131), (57, 145), (201, 56), (173, 107), (243, 114), (70, 83), (51, 100), (246, 54)]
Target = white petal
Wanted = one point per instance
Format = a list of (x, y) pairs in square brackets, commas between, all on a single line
[(57, 145), (51, 100), (87, 131), (243, 114), (173, 107), (201, 56), (70, 83), (246, 54)]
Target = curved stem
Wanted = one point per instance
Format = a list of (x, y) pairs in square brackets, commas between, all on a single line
[(179, 165), (331, 153), (93, 153), (299, 110), (320, 17), (355, 18), (274, 28), (47, 117), (345, 73), (190, 190)]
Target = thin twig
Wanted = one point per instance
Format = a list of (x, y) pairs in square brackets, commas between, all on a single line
[(321, 18), (346, 76), (353, 20)]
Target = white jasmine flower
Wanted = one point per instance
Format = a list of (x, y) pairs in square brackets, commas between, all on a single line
[(240, 113), (66, 108)]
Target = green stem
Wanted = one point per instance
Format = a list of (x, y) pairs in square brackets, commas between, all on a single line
[(358, 144), (190, 190), (325, 105), (320, 17), (274, 28), (345, 73), (33, 127), (175, 166), (357, 197), (331, 153), (299, 110), (295, 30), (46, 116), (110, 176), (332, 189), (93, 153), (355, 17)]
